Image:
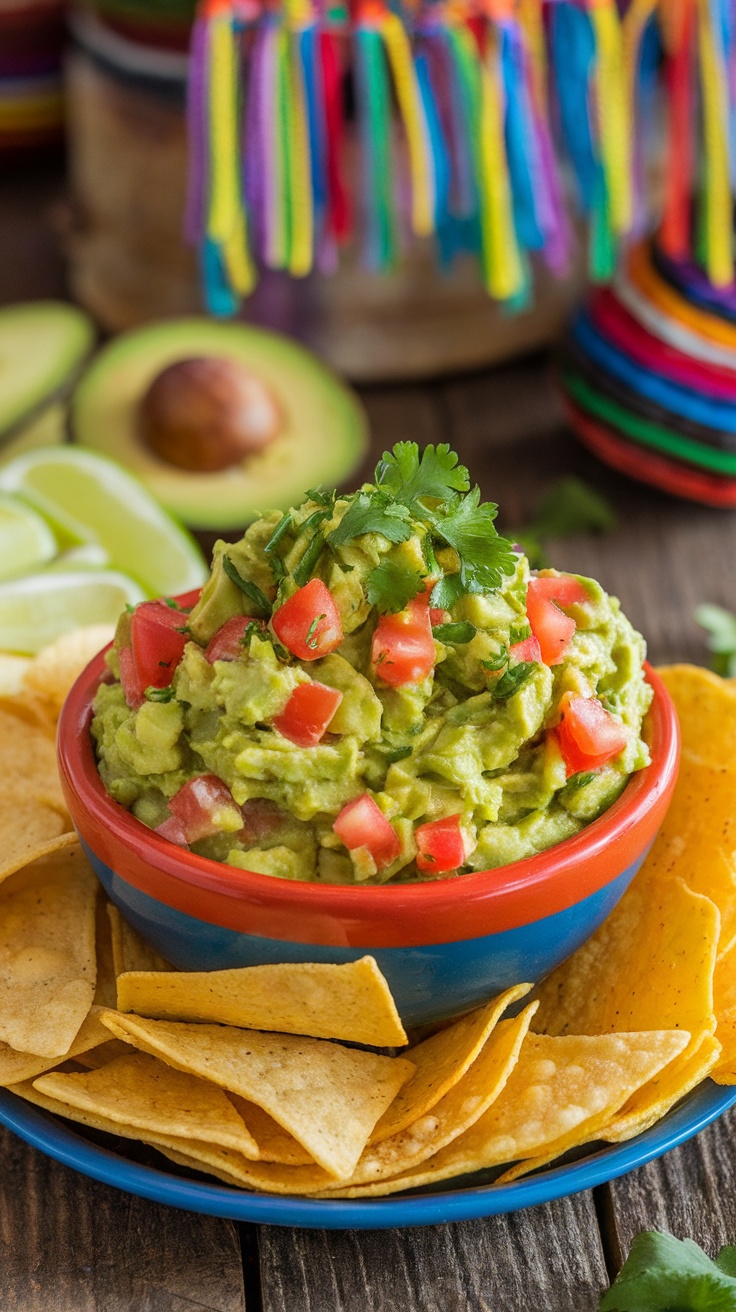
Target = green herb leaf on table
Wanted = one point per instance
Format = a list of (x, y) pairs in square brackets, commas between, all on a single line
[(571, 506), (411, 477), (371, 513), (250, 590), (720, 625), (665, 1274), (392, 584), (455, 634)]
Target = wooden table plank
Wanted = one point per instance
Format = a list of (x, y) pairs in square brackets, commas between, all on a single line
[(69, 1244), (689, 1192), (547, 1257)]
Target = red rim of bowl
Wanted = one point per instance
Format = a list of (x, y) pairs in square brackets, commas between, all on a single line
[(388, 914)]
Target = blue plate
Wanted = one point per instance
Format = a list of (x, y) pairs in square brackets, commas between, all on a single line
[(459, 1201)]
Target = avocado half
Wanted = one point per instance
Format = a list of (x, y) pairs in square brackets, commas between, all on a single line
[(43, 345), (321, 443)]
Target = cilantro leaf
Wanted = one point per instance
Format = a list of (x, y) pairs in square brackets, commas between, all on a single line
[(662, 1272), (392, 584), (449, 589), (303, 572), (250, 590), (159, 694), (720, 625), (277, 565), (512, 680), (468, 527), (455, 634), (412, 478), (498, 662), (572, 506), (369, 513)]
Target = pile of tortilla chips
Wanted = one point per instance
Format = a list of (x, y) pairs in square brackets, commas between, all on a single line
[(301, 1079)]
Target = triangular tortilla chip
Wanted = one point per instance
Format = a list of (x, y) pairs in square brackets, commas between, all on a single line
[(650, 1103), (274, 1144), (351, 1001), (327, 1096), (47, 953), (129, 950), (143, 1092), (18, 1066), (30, 830), (706, 709)]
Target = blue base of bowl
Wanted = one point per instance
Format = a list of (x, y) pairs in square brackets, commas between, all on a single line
[(429, 981)]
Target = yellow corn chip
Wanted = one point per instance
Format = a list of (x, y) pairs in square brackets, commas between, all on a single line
[(724, 1003), (649, 966), (54, 669), (650, 1103), (27, 754), (30, 829), (683, 849), (12, 670), (266, 1177), (47, 953), (274, 1144), (559, 1093), (327, 1096), (440, 1061), (706, 709), (140, 1091), (102, 1054), (129, 950), (105, 988), (460, 1108), (351, 1002), (18, 1066)]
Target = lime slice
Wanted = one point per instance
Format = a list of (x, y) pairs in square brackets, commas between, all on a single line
[(26, 541), (38, 608), (89, 498), (90, 555)]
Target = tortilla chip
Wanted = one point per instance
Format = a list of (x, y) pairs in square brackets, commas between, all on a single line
[(106, 987), (706, 709), (55, 668), (140, 1091), (27, 754), (104, 1053), (266, 1177), (129, 950), (460, 1108), (649, 966), (17, 1066), (274, 1144), (47, 953), (12, 670), (650, 1103), (440, 1062), (327, 1096), (30, 829), (351, 1002), (724, 1004), (560, 1093)]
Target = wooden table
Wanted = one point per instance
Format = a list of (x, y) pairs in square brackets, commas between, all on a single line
[(68, 1244)]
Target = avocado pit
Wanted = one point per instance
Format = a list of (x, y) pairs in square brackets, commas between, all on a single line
[(207, 413)]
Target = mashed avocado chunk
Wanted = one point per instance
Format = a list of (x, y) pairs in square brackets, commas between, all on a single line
[(375, 687)]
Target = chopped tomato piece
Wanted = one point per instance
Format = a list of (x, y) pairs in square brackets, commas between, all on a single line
[(550, 626), (205, 806), (158, 642), (133, 687), (438, 616), (403, 647), (227, 643), (440, 845), (173, 829), (529, 651), (307, 713), (362, 824), (261, 817), (309, 623), (588, 735)]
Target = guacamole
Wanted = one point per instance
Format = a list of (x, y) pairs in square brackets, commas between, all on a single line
[(374, 687)]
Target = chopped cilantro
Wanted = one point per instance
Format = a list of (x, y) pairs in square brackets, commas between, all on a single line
[(392, 754), (169, 601), (128, 608), (182, 628), (662, 1272), (250, 590), (512, 680), (392, 584), (326, 499), (455, 634), (372, 512), (447, 591), (303, 572), (468, 527), (520, 632), (720, 625), (159, 694), (312, 638), (252, 630), (277, 564), (580, 780), (498, 662), (413, 478)]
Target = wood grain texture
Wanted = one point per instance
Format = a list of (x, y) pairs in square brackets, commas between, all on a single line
[(548, 1257), (689, 1192), (69, 1244)]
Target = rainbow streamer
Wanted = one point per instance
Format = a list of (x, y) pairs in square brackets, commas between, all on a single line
[(717, 218)]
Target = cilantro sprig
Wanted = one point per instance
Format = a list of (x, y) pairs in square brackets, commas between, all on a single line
[(720, 626), (662, 1272), (392, 585)]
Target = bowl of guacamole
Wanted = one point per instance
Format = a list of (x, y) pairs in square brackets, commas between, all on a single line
[(375, 704)]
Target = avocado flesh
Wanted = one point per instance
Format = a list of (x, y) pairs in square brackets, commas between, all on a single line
[(42, 346), (321, 443)]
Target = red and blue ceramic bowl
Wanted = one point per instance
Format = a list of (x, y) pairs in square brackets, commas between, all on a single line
[(444, 946)]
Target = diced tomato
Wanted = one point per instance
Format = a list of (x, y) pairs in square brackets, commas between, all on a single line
[(550, 626), (438, 616), (309, 623), (173, 829), (362, 824), (403, 647), (158, 644), (588, 735), (307, 713), (529, 651), (133, 687), (440, 845), (261, 817), (227, 643), (199, 805)]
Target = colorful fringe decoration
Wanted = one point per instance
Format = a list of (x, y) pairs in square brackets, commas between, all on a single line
[(462, 110)]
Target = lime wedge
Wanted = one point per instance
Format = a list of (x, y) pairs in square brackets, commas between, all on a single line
[(90, 555), (38, 608), (26, 541), (88, 498)]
